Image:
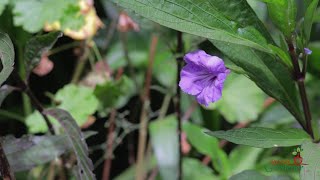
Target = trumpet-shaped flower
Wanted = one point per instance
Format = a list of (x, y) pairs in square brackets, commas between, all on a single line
[(203, 76)]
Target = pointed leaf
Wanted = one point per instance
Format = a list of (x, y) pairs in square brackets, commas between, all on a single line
[(29, 151), (6, 56), (283, 14), (38, 45), (235, 30), (267, 72), (208, 146), (309, 19), (263, 137), (76, 139), (230, 21)]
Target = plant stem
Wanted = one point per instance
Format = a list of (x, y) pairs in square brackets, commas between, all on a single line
[(63, 48), (11, 115), (22, 71), (110, 137), (299, 77), (80, 65), (178, 98), (23, 85), (140, 174), (5, 169)]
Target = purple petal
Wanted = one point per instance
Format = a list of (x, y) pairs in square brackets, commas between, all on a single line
[(203, 76), (307, 51), (192, 79)]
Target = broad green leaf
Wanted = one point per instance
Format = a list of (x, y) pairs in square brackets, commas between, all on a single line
[(251, 174), (309, 19), (283, 14), (115, 93), (243, 158), (3, 4), (311, 158), (193, 169), (239, 90), (78, 100), (165, 68), (268, 73), (76, 139), (230, 21), (164, 140), (33, 14), (29, 151), (38, 45), (235, 30), (208, 146), (263, 137), (284, 56), (316, 18), (6, 56)]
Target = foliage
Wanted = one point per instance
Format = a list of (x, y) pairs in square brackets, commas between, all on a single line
[(125, 78)]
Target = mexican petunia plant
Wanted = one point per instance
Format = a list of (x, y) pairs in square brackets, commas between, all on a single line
[(275, 61), (159, 89)]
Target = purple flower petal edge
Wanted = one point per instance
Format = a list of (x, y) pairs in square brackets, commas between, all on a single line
[(307, 51), (203, 76)]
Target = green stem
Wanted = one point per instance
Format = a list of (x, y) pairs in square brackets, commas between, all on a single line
[(80, 66), (63, 48), (11, 115), (27, 107)]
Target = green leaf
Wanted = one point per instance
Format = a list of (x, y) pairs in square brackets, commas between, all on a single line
[(29, 151), (283, 14), (33, 14), (38, 45), (230, 21), (268, 73), (239, 90), (76, 139), (251, 174), (6, 56), (311, 159), (3, 4), (193, 169), (164, 140), (115, 93), (78, 100), (309, 19), (235, 30), (167, 74), (243, 158), (284, 56), (263, 137), (208, 146)]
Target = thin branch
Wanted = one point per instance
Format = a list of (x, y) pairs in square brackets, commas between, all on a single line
[(302, 90), (110, 138), (5, 169), (178, 98), (140, 174), (23, 85)]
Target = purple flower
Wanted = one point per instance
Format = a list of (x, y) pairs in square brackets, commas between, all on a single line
[(203, 76), (307, 51)]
